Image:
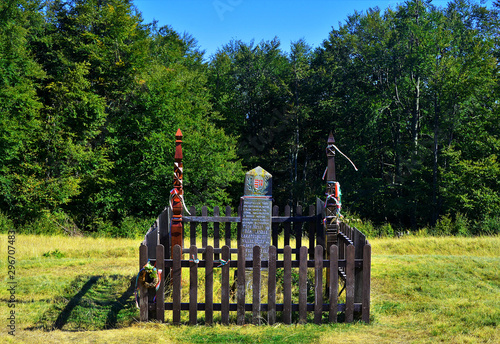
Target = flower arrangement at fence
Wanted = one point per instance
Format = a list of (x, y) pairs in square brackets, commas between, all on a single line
[(149, 271)]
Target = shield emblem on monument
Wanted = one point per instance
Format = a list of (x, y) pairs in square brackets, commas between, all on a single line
[(258, 183)]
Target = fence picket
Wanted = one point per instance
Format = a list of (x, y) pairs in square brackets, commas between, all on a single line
[(287, 284), (240, 296), (192, 227), (256, 286), (227, 232), (216, 230), (334, 283), (160, 295), (349, 289), (143, 259), (204, 229), (193, 286), (341, 243), (209, 286), (275, 227), (303, 285), (312, 231), (151, 239), (286, 226), (271, 288), (320, 230), (176, 285), (359, 244), (297, 230), (226, 256), (318, 284), (365, 309), (164, 228), (238, 226)]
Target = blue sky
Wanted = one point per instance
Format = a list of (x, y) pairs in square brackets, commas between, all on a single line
[(213, 23)]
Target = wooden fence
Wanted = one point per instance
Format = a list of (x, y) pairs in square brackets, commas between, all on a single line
[(350, 264)]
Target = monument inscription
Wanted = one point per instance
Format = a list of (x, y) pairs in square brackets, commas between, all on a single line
[(256, 212), (256, 225)]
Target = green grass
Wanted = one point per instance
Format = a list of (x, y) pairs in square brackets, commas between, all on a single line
[(424, 290)]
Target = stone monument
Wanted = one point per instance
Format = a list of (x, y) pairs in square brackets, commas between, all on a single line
[(257, 212)]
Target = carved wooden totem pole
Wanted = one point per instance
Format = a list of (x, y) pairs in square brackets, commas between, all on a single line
[(332, 204), (177, 194)]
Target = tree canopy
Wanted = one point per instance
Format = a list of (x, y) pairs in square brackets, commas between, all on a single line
[(92, 96)]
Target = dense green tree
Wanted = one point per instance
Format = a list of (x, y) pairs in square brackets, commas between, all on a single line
[(409, 80), (172, 95), (21, 177), (91, 98), (250, 87), (400, 89), (264, 97), (90, 140), (151, 82), (76, 107), (470, 130)]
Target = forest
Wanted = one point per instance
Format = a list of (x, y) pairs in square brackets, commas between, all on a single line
[(91, 97)]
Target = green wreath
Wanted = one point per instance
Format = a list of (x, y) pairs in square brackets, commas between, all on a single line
[(149, 271)]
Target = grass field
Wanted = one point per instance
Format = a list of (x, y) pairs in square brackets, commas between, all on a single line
[(424, 290)]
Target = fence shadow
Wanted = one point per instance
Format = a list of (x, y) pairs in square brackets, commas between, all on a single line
[(95, 303), (63, 317), (118, 305)]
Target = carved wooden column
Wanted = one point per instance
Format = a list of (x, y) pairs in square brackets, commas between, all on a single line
[(177, 194), (333, 200)]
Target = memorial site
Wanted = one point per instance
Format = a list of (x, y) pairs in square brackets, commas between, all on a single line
[(333, 265), (240, 171)]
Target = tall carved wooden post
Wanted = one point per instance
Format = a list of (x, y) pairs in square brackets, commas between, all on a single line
[(177, 192), (332, 205)]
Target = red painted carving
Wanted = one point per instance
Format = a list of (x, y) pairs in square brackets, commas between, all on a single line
[(177, 207)]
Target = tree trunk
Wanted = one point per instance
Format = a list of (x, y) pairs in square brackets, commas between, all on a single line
[(435, 210)]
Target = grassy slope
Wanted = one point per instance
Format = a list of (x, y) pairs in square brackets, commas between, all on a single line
[(423, 290)]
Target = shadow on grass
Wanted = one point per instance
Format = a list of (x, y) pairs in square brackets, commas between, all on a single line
[(120, 304), (63, 317), (95, 303)]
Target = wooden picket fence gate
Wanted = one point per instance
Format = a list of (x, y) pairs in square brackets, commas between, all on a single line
[(349, 263)]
